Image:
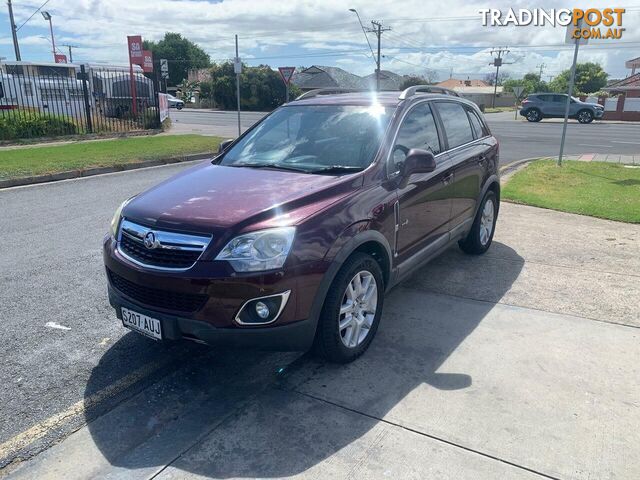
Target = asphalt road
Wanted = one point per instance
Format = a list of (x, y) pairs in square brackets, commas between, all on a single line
[(518, 138)]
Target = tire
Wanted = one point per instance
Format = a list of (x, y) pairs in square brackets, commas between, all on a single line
[(585, 116), (534, 115), (479, 238), (179, 107), (331, 340)]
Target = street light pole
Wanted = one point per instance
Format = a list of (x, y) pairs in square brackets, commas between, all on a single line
[(47, 16), (14, 32)]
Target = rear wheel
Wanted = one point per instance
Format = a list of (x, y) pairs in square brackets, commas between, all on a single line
[(480, 237), (534, 115), (585, 116), (351, 312)]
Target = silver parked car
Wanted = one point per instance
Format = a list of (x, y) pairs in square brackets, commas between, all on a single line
[(175, 102), (552, 105)]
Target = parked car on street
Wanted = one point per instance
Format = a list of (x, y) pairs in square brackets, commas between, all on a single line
[(553, 105), (175, 102), (289, 238)]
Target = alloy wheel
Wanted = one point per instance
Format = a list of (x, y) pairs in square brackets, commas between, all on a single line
[(358, 309), (486, 221)]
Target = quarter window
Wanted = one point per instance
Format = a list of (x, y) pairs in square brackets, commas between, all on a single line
[(456, 123), (476, 124), (418, 130)]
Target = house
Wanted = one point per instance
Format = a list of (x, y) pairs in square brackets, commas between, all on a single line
[(454, 83), (479, 92), (624, 100), (320, 76)]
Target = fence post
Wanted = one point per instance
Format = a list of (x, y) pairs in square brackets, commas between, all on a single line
[(85, 94)]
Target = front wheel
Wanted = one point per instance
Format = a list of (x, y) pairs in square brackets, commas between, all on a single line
[(351, 312), (480, 236), (534, 115), (179, 107), (585, 116)]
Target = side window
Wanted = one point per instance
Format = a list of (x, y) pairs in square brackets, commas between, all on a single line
[(418, 130), (559, 99), (476, 124), (456, 123)]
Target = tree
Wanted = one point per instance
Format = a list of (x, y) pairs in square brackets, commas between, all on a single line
[(490, 78), (261, 88), (182, 54), (590, 77), (531, 83)]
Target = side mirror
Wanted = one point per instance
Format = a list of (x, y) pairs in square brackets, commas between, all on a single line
[(418, 161), (224, 144)]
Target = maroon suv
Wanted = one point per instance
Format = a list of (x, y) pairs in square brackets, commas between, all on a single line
[(289, 238)]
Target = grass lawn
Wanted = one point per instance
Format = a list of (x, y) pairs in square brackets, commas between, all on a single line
[(38, 160), (597, 189)]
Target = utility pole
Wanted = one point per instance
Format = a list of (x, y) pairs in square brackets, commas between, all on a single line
[(497, 62), (237, 67), (541, 67), (378, 30), (70, 52), (14, 32)]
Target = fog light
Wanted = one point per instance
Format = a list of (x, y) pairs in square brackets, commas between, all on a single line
[(262, 310)]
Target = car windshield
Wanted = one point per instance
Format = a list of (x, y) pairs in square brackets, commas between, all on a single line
[(313, 139)]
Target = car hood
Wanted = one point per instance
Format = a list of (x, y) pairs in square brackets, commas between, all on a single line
[(210, 197)]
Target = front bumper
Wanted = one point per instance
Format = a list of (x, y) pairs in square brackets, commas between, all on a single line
[(224, 292), (598, 113), (297, 336)]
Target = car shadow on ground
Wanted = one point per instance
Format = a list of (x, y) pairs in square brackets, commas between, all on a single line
[(252, 414)]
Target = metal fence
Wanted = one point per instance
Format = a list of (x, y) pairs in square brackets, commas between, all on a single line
[(48, 101)]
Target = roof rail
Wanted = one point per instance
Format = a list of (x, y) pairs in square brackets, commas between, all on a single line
[(328, 91), (414, 90)]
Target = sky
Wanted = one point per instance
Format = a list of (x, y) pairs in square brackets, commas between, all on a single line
[(444, 38)]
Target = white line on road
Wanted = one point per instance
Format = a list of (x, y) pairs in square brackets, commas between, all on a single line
[(592, 145), (620, 141)]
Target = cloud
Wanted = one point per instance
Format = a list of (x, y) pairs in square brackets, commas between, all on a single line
[(423, 35)]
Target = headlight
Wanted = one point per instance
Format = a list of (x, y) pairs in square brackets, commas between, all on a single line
[(257, 251), (115, 221)]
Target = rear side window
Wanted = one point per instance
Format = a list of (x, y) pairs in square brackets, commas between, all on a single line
[(456, 123), (418, 130), (476, 124)]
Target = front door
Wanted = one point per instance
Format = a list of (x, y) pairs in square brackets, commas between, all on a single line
[(424, 199)]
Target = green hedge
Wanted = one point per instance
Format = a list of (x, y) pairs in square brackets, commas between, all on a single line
[(18, 126)]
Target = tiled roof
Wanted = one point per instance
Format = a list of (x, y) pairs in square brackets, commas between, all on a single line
[(632, 81), (326, 77)]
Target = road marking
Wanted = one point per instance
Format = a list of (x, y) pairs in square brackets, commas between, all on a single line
[(592, 145), (39, 430), (620, 141), (56, 326)]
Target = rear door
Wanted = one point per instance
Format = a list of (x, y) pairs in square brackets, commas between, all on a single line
[(424, 199), (463, 131)]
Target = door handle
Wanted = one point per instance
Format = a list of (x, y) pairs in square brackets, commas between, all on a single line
[(447, 180), (482, 159)]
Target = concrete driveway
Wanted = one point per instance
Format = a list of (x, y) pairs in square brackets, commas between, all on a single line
[(522, 363)]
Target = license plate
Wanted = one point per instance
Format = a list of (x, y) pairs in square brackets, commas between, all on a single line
[(141, 323)]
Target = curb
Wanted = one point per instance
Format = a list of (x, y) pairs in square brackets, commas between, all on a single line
[(80, 138), (513, 166), (89, 172)]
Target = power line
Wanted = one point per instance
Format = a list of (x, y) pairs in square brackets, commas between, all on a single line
[(32, 15)]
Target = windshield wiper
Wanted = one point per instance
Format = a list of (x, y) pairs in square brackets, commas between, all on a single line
[(337, 169), (269, 165)]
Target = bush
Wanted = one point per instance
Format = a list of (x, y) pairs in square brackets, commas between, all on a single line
[(33, 126)]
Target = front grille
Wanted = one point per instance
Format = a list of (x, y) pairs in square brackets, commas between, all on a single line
[(157, 257), (159, 248), (154, 297)]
